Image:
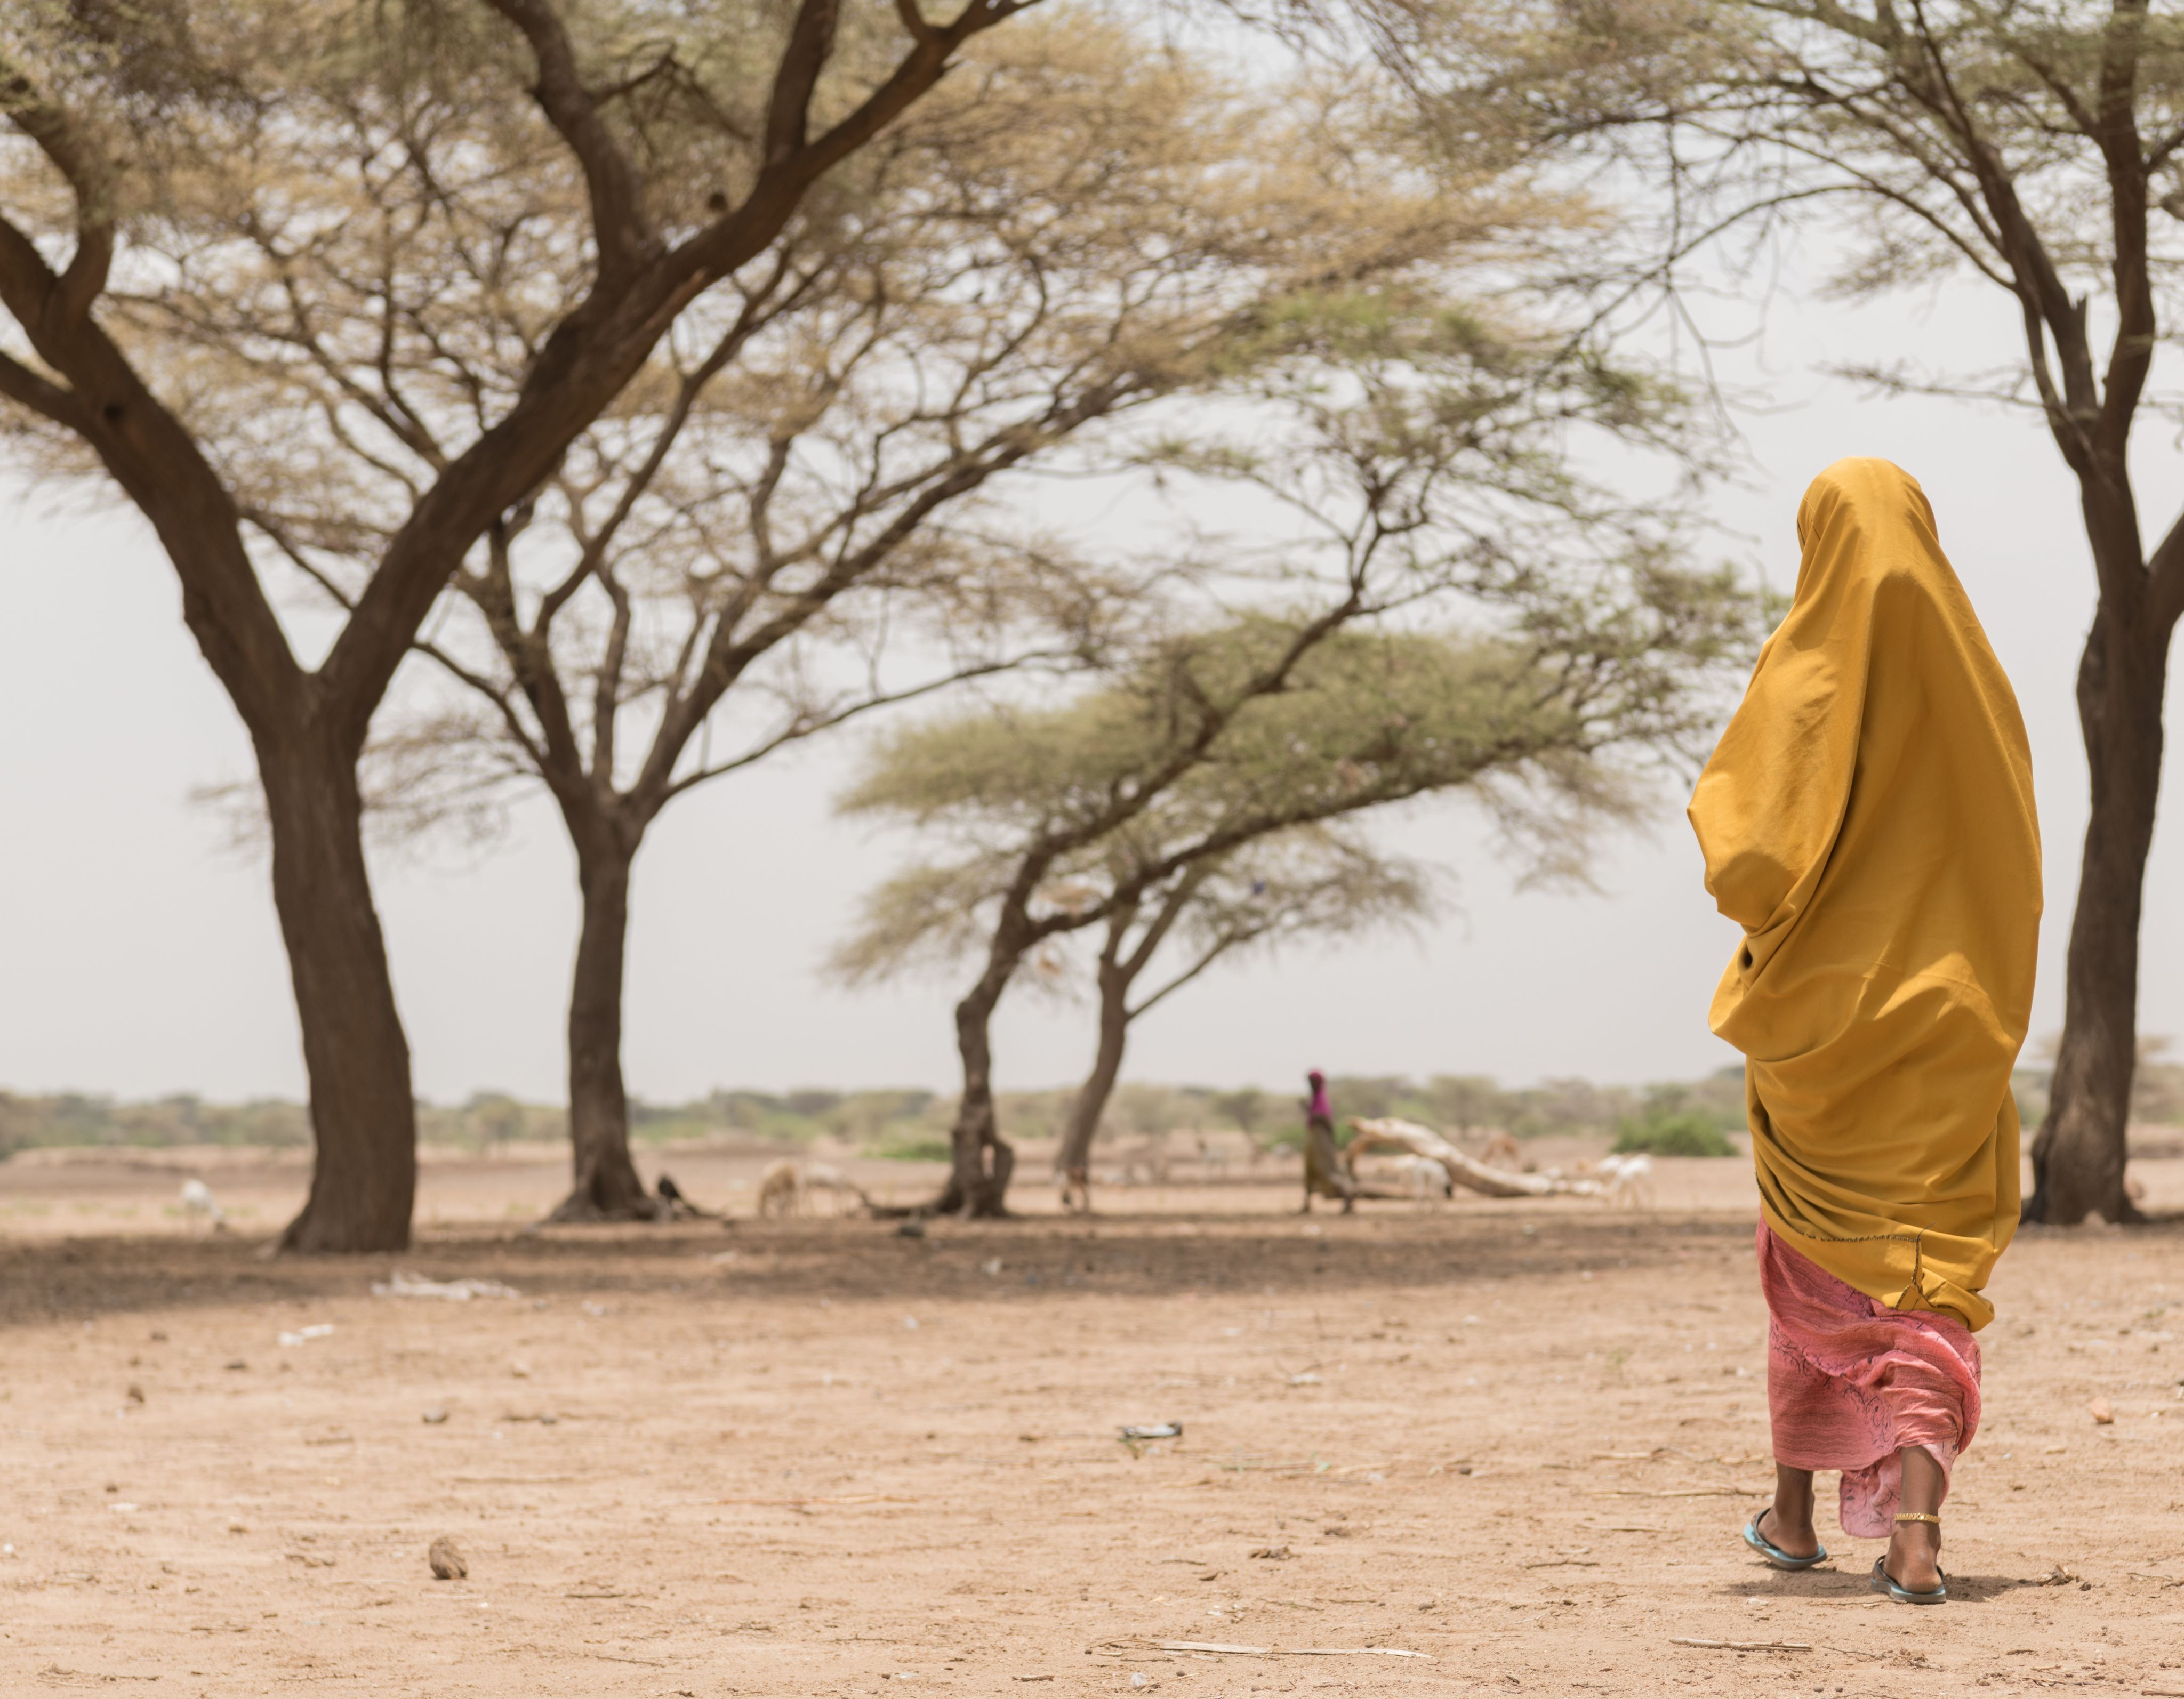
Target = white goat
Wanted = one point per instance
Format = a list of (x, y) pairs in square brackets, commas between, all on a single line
[(1424, 1176), (197, 1200), (1626, 1180)]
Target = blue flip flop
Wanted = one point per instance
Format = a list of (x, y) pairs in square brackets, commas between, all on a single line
[(1883, 1582), (1772, 1552)]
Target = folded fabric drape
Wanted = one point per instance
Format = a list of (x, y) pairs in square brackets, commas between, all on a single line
[(1850, 1383), (1867, 819)]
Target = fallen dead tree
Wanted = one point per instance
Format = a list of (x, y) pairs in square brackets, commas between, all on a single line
[(1407, 1136)]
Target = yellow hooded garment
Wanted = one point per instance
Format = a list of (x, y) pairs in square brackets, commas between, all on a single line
[(1866, 819)]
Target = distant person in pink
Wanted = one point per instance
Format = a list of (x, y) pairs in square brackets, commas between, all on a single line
[(1322, 1166)]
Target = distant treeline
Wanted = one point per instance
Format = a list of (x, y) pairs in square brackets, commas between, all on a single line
[(914, 1124), (908, 1124)]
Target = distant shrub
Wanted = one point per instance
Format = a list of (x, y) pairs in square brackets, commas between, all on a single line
[(1687, 1133), (913, 1149)]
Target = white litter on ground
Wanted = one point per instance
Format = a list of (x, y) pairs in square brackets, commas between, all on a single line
[(406, 1285), (317, 1330)]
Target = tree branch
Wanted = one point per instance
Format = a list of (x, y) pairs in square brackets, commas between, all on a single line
[(618, 224), (810, 44)]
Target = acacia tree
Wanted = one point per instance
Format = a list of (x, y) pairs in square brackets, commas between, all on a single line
[(1317, 881), (2030, 146), (794, 514), (313, 193), (1063, 820)]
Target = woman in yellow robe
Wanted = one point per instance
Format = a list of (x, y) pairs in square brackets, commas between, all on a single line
[(1867, 819)]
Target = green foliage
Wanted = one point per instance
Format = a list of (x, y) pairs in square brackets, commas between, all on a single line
[(1675, 1132), (896, 1148), (912, 1125), (71, 1118), (1692, 1119)]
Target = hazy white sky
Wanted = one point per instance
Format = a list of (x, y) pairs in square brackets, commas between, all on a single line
[(136, 957)]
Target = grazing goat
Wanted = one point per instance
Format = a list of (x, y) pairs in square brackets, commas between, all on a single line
[(1626, 1180), (787, 1188), (823, 1177), (1424, 1177), (198, 1201), (781, 1192)]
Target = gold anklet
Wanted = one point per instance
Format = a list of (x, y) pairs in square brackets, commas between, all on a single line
[(1918, 1516)]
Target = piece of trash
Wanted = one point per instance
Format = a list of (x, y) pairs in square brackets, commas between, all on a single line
[(2101, 1412), (910, 1323), (406, 1285), (912, 1229), (435, 1416), (305, 1335), (1138, 1679), (1162, 1431), (235, 1363), (134, 1394), (2060, 1577), (1744, 1645), (1307, 1378), (447, 1559), (1278, 1554), (121, 1507), (520, 1369), (993, 1265)]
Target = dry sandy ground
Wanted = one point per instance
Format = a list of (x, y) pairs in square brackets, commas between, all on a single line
[(815, 1457)]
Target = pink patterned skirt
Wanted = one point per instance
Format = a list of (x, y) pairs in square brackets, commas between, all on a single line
[(1850, 1383)]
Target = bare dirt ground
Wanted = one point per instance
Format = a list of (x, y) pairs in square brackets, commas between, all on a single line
[(816, 1457)]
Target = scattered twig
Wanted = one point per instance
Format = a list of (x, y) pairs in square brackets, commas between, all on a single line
[(1742, 1645), (1214, 1646)]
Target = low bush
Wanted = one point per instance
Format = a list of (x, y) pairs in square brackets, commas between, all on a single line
[(1687, 1133), (913, 1149)]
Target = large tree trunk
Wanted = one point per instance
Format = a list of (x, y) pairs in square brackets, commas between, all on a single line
[(605, 1184), (363, 1115), (979, 1183), (2078, 1158), (1074, 1162)]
